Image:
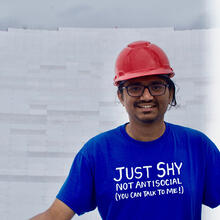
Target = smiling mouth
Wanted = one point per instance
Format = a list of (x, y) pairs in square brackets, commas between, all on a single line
[(146, 106)]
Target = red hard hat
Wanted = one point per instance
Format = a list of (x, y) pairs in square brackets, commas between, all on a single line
[(141, 58)]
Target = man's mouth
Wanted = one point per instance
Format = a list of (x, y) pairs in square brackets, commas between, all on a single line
[(145, 106)]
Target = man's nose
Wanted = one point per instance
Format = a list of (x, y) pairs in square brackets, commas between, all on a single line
[(146, 95)]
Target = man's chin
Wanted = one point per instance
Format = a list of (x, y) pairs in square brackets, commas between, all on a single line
[(147, 120)]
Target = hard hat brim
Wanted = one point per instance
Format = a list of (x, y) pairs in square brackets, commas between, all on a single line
[(141, 73)]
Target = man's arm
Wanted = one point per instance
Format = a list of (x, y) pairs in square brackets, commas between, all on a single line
[(57, 211)]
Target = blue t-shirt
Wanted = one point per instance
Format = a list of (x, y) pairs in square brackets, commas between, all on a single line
[(168, 178)]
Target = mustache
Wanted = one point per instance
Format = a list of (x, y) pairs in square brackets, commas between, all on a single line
[(144, 102)]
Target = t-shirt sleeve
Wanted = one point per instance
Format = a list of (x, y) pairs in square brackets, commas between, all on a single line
[(78, 191), (211, 196)]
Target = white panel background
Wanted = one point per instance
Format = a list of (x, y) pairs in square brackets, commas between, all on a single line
[(56, 92)]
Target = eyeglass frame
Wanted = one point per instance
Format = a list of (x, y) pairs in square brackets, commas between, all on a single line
[(164, 84)]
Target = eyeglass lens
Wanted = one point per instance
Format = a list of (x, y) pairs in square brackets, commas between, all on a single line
[(154, 89)]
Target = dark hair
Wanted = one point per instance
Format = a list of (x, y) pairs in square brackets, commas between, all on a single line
[(171, 87), (170, 83)]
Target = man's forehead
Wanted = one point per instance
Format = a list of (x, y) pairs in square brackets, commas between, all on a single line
[(145, 79)]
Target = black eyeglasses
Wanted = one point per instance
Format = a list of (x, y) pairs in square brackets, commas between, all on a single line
[(155, 89)]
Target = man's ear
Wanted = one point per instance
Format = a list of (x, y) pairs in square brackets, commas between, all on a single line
[(120, 97)]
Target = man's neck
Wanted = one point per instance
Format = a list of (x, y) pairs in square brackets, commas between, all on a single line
[(145, 132)]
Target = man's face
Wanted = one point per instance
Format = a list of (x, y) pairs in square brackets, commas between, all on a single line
[(146, 108)]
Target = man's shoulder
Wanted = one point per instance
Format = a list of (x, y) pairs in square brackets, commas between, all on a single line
[(104, 138), (195, 139), (107, 134), (184, 130)]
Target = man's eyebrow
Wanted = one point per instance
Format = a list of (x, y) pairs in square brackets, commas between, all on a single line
[(151, 83), (134, 83), (157, 82)]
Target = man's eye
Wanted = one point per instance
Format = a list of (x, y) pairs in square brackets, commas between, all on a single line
[(135, 88), (156, 87)]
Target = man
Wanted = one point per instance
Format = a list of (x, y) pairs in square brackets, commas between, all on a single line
[(147, 168)]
